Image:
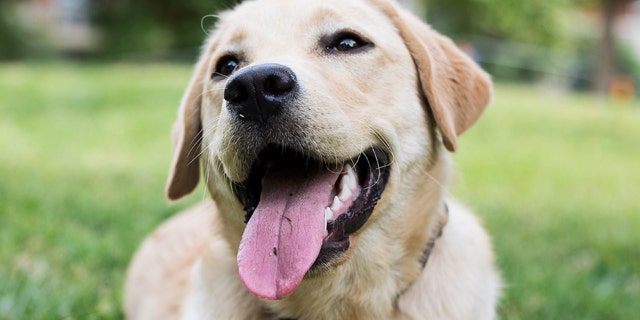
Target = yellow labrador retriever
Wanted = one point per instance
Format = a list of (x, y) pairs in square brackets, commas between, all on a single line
[(321, 128)]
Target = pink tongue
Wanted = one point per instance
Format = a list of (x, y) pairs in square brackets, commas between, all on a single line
[(284, 236)]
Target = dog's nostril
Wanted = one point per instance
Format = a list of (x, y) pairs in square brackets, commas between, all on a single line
[(279, 84), (235, 92)]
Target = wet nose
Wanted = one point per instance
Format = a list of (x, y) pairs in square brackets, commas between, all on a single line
[(259, 93)]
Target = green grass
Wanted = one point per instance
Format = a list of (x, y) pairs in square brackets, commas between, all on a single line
[(84, 151), (557, 181), (84, 155)]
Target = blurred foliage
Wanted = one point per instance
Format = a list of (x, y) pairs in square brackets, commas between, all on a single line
[(628, 62), (530, 40), (153, 26), (584, 62), (530, 21), (514, 40), (13, 34)]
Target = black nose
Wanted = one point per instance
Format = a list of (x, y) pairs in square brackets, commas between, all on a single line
[(260, 92)]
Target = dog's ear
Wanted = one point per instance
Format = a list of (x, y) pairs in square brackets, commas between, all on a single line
[(456, 88), (187, 135)]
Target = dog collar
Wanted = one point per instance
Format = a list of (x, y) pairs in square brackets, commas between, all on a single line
[(427, 251), (432, 242)]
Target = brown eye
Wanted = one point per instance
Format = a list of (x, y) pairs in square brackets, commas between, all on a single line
[(346, 42), (226, 66)]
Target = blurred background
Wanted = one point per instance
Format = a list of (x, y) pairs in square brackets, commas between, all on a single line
[(89, 90), (574, 44)]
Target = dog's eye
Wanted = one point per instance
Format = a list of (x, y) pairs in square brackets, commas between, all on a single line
[(345, 42), (226, 66)]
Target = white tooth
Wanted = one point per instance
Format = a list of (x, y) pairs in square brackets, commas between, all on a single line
[(350, 178), (335, 206), (327, 215), (344, 184), (345, 194)]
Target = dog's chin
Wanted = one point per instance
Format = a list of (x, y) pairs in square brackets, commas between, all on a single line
[(359, 182)]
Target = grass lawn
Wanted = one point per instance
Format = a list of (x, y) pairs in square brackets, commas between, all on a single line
[(84, 152)]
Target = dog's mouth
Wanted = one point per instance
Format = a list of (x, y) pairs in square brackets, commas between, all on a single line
[(300, 213)]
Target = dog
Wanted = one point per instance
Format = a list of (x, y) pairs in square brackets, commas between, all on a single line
[(323, 130)]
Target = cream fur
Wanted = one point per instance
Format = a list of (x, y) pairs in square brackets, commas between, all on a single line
[(187, 268)]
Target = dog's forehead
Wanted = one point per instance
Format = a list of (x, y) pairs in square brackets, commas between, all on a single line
[(284, 12), (300, 20)]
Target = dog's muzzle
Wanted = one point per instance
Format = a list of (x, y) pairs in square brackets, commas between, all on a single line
[(301, 208)]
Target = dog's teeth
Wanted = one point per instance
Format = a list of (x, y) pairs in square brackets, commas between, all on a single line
[(335, 206), (349, 179), (345, 194), (345, 184)]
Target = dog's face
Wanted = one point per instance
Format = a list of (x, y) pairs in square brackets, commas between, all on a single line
[(316, 80), (312, 119)]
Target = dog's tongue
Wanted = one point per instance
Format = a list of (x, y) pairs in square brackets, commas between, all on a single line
[(284, 235)]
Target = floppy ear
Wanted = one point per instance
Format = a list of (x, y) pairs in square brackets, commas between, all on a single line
[(187, 133), (456, 88)]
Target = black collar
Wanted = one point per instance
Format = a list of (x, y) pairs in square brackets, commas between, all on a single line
[(432, 242)]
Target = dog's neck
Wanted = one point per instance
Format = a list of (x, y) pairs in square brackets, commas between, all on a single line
[(357, 286), (386, 261), (344, 308)]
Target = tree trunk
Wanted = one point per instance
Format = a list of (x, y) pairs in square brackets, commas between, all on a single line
[(605, 60)]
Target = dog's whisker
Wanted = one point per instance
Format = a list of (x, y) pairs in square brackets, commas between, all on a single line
[(214, 90), (378, 168), (195, 144), (206, 30), (197, 141), (366, 157), (207, 174), (437, 182), (206, 148), (385, 144), (221, 75)]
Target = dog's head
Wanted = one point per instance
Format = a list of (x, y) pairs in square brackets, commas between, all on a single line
[(313, 120)]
